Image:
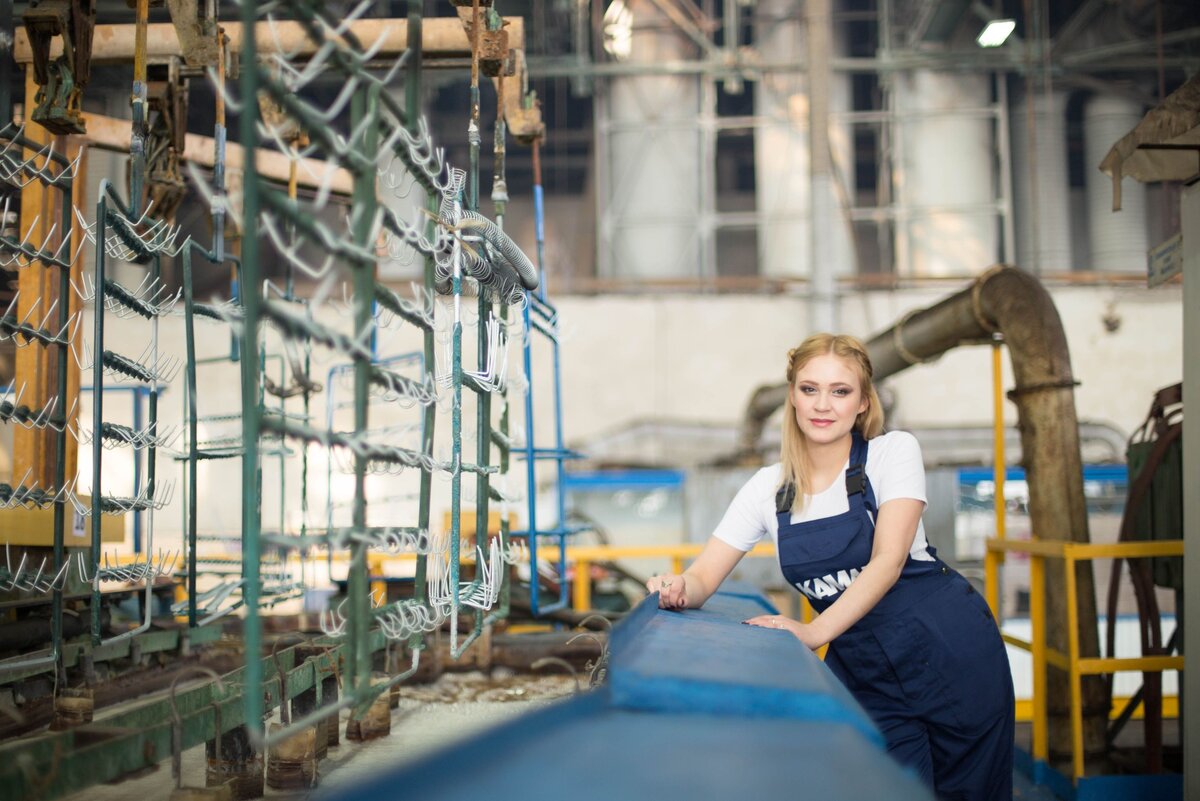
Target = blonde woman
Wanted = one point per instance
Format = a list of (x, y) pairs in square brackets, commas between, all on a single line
[(908, 636)]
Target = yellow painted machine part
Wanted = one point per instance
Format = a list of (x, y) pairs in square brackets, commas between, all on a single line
[(467, 522), (35, 527), (1170, 708), (999, 468), (1072, 662)]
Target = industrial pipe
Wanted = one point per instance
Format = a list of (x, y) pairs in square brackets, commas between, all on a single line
[(1015, 304)]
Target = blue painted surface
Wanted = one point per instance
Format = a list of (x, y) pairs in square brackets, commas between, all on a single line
[(623, 479), (1118, 473), (1039, 781), (698, 706), (1164, 787), (706, 660), (585, 750)]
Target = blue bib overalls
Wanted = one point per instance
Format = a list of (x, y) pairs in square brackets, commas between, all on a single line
[(927, 662)]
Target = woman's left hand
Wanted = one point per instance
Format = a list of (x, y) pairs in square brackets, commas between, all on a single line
[(801, 631)]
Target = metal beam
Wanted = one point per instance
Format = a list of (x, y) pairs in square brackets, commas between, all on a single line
[(899, 61), (1078, 21), (109, 133), (441, 37), (686, 25), (1105, 52)]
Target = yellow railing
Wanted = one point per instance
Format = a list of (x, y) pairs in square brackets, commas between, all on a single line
[(584, 556), (1075, 665)]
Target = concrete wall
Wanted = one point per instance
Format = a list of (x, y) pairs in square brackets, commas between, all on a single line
[(698, 358), (687, 358)]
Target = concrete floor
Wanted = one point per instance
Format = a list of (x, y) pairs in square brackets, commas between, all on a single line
[(427, 718)]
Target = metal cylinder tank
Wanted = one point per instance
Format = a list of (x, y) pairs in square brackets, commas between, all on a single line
[(781, 148), (1041, 187), (948, 223), (1118, 239), (782, 153), (650, 212)]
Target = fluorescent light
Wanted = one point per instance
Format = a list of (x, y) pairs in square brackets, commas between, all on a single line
[(996, 32), (618, 30)]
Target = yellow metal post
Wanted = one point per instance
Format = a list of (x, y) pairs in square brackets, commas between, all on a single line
[(77, 152), (582, 591), (38, 287), (991, 580), (375, 569), (1073, 664), (677, 565), (806, 610), (1037, 618), (993, 562)]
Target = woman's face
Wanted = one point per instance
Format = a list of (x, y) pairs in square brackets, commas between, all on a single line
[(827, 395)]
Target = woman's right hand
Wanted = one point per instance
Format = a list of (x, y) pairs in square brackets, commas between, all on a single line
[(671, 589)]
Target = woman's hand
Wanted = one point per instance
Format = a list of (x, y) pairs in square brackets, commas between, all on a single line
[(671, 589), (801, 631)]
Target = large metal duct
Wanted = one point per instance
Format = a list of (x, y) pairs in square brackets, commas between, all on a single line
[(1013, 303)]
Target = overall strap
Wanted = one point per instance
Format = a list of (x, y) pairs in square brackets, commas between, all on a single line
[(856, 474), (856, 471), (856, 480), (785, 497)]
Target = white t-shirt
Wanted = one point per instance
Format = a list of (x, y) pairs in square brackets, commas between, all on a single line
[(894, 468)]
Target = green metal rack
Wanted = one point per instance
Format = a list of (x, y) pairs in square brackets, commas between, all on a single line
[(57, 173)]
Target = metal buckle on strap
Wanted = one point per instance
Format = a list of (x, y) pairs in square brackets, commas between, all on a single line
[(785, 498)]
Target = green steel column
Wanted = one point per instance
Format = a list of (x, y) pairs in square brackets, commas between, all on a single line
[(283, 372), (364, 106), (500, 201), (304, 455), (412, 87), (98, 407), (152, 451), (60, 444), (474, 139), (456, 374), (189, 332), (252, 416)]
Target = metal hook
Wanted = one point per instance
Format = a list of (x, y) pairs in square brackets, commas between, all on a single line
[(547, 661)]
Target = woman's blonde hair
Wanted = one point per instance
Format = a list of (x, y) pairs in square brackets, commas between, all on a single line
[(793, 455)]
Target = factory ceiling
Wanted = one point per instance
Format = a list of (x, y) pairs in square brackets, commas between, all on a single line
[(1138, 49)]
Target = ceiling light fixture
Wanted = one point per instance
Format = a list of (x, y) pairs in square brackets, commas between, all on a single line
[(996, 32)]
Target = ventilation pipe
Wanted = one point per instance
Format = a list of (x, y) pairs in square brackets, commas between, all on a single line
[(1118, 239), (1013, 303), (1040, 182)]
